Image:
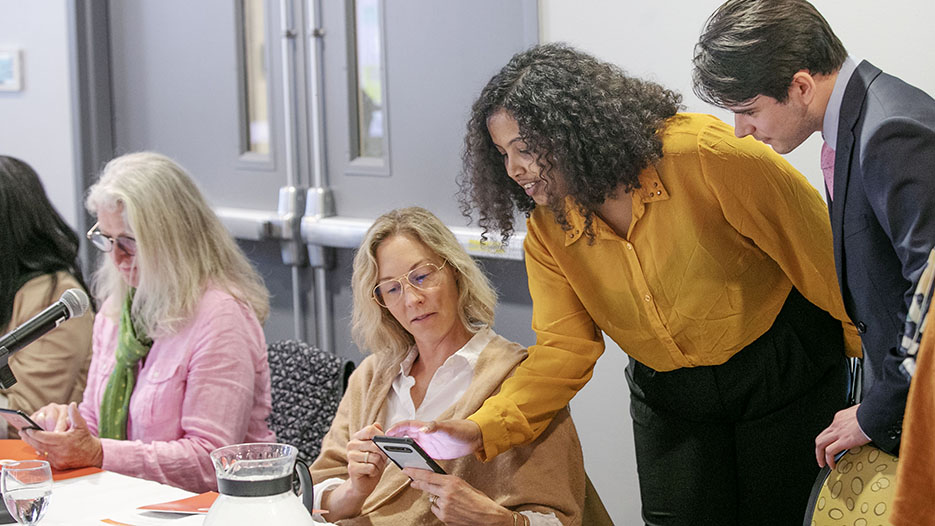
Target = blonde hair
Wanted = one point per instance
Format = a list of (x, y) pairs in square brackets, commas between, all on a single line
[(373, 328), (182, 247)]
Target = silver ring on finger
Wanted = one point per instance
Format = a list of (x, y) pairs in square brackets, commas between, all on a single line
[(432, 499), (367, 458)]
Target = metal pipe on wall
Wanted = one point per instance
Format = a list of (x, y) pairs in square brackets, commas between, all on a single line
[(315, 68), (348, 232), (287, 54)]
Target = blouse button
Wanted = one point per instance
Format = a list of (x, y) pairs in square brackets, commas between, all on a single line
[(647, 298), (629, 246)]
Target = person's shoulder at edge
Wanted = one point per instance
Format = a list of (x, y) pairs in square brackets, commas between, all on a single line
[(896, 96)]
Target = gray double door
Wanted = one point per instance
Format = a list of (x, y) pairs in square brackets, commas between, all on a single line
[(178, 86)]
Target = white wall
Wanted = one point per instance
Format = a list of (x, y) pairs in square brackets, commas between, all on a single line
[(655, 40), (36, 123)]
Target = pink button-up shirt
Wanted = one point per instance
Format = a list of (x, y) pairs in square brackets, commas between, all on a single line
[(204, 387)]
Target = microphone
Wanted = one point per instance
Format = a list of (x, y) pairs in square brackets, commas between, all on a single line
[(72, 304)]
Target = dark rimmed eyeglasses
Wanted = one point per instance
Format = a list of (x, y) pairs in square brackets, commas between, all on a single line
[(106, 243), (388, 293)]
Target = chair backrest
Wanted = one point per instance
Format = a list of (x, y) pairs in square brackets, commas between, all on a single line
[(859, 490), (306, 387)]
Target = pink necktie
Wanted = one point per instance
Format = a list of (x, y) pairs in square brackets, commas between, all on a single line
[(827, 167)]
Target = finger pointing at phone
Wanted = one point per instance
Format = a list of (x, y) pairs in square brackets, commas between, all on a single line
[(444, 439)]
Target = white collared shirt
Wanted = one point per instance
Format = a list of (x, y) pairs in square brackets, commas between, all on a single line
[(829, 127), (447, 386)]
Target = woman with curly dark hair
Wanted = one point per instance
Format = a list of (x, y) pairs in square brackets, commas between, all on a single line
[(705, 257)]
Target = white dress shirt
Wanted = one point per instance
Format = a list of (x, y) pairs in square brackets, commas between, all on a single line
[(447, 385)]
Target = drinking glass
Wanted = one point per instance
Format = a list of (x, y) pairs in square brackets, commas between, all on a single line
[(27, 488)]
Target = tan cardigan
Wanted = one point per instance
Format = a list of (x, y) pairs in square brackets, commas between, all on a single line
[(544, 476), (53, 368)]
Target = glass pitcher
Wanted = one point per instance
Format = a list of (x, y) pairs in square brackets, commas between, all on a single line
[(255, 486)]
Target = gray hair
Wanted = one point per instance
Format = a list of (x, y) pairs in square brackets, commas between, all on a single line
[(182, 247)]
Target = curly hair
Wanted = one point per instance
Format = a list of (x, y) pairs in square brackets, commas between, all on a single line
[(585, 120)]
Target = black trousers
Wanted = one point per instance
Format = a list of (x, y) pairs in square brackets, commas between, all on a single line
[(734, 444)]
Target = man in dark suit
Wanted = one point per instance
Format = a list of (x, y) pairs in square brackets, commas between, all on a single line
[(779, 67)]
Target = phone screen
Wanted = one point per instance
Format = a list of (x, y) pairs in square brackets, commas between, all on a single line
[(18, 419), (406, 453)]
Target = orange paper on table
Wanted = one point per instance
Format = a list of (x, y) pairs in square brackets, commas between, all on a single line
[(19, 450), (196, 504)]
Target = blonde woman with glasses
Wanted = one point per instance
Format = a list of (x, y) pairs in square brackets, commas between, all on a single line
[(179, 359), (424, 310)]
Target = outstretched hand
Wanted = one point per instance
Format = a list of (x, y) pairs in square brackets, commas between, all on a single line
[(443, 440)]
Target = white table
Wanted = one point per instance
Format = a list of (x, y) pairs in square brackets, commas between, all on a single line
[(93, 498)]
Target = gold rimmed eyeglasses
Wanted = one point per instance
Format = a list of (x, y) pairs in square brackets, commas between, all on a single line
[(423, 277)]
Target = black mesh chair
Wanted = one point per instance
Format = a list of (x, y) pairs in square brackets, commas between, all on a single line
[(306, 387)]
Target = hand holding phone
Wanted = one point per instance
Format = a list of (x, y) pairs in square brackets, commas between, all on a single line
[(406, 453), (18, 419)]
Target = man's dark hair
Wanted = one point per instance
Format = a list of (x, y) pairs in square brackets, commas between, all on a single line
[(755, 47)]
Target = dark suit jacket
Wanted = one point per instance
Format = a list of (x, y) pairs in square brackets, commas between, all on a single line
[(883, 222)]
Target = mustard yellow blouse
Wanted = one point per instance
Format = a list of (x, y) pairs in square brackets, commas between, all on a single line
[(722, 229)]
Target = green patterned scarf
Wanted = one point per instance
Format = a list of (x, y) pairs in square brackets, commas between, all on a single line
[(132, 346)]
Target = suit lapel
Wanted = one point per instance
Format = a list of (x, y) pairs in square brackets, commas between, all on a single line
[(851, 108)]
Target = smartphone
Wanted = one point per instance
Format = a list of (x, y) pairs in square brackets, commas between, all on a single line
[(406, 453), (18, 419)]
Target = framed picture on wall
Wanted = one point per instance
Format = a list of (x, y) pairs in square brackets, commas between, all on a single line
[(11, 78)]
